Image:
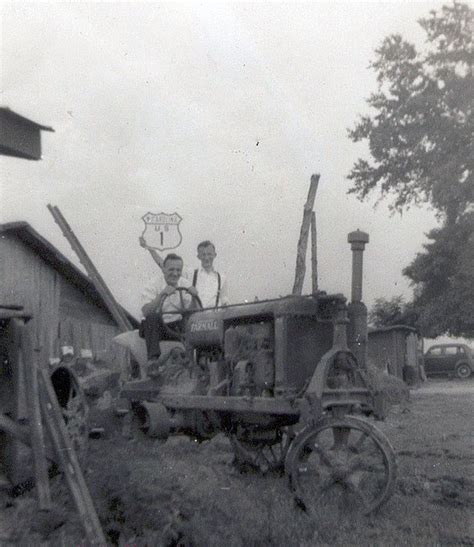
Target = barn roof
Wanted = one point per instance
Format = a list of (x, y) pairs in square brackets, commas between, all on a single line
[(30, 237)]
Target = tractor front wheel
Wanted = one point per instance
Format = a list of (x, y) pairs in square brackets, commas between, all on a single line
[(341, 465)]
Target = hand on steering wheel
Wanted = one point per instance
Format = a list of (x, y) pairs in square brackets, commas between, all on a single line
[(179, 310)]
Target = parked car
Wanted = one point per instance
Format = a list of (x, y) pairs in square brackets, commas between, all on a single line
[(455, 359)]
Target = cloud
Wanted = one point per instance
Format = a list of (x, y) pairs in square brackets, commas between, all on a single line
[(160, 107)]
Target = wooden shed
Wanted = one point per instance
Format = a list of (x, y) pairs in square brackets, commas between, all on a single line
[(396, 350), (66, 308), (19, 136)]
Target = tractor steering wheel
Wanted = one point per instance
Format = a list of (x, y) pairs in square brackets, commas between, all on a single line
[(182, 310)]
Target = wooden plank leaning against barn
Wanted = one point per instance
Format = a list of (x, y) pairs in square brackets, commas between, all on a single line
[(116, 311)]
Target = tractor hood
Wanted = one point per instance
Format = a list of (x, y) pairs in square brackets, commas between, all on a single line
[(206, 327)]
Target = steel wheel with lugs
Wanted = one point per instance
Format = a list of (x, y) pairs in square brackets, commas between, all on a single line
[(341, 465)]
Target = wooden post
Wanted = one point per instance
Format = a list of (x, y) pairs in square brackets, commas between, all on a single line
[(117, 312), (314, 254), (21, 433), (68, 461), (303, 240), (40, 463)]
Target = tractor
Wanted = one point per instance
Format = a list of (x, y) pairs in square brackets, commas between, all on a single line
[(285, 380)]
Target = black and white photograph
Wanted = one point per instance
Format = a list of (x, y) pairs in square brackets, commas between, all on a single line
[(236, 273)]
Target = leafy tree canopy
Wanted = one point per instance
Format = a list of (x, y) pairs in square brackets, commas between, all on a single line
[(421, 142), (421, 133), (386, 313), (443, 277)]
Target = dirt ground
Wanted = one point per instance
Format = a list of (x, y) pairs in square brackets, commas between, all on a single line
[(185, 493)]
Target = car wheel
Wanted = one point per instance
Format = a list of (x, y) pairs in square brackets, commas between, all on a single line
[(463, 371)]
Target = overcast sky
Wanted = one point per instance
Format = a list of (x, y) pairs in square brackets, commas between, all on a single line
[(220, 112)]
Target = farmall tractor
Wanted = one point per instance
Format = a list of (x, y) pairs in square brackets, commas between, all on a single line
[(285, 380)]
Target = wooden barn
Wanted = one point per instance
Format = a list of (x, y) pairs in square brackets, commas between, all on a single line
[(66, 308), (396, 350)]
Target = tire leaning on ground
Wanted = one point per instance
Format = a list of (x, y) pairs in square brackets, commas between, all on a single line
[(463, 371)]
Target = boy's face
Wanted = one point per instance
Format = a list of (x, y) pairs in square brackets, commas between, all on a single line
[(206, 255), (172, 271)]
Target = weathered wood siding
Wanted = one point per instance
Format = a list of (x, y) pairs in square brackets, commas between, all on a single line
[(84, 325), (411, 359), (26, 280), (384, 352), (62, 314), (392, 350)]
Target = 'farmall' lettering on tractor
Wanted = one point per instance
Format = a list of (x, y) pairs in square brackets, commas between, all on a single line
[(198, 326)]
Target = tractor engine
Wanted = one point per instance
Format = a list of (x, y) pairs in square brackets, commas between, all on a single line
[(261, 349), (233, 358), (249, 353)]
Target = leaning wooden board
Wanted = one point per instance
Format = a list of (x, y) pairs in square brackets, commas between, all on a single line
[(67, 459)]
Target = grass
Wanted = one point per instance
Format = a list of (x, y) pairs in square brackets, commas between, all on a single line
[(185, 493)]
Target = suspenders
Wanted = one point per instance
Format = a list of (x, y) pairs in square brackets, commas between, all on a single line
[(195, 276)]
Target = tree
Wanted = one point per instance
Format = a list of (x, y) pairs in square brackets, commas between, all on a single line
[(386, 313), (420, 134), (443, 277)]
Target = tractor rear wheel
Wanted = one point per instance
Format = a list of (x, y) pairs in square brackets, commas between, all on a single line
[(341, 465)]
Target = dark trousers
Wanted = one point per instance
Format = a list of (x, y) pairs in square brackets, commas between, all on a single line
[(153, 330)]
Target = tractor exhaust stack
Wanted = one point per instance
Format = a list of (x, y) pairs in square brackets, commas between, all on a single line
[(358, 334)]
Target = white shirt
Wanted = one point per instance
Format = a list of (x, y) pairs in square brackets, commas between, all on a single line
[(207, 285), (173, 301)]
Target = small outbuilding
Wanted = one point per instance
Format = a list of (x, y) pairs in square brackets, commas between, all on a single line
[(19, 136), (66, 309), (396, 350)]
